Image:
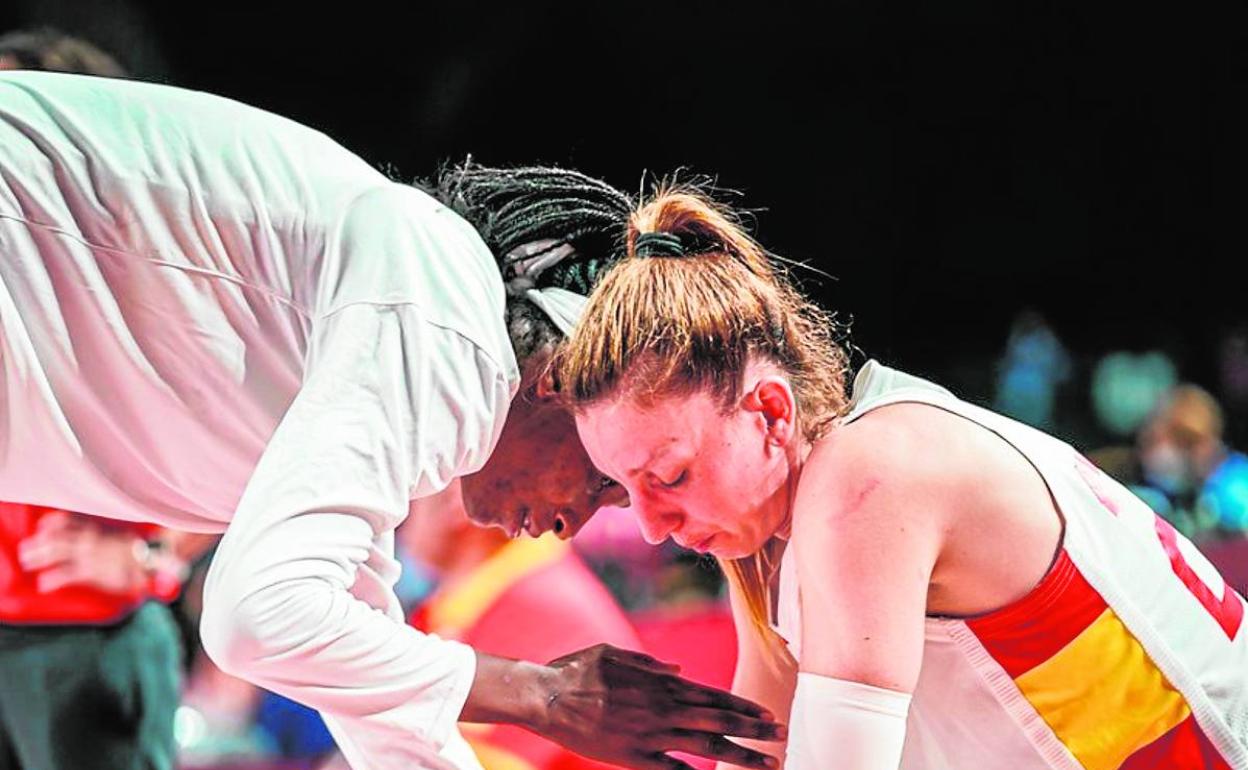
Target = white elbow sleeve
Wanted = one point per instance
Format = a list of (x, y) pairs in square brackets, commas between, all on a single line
[(835, 723)]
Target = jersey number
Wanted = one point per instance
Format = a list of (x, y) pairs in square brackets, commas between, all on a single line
[(1227, 611)]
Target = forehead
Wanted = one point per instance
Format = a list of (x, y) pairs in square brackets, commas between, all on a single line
[(622, 434)]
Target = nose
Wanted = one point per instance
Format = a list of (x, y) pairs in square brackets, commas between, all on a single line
[(656, 527)]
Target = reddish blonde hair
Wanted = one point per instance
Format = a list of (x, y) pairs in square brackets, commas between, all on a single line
[(659, 325)]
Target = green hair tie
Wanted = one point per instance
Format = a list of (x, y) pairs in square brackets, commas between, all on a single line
[(658, 245)]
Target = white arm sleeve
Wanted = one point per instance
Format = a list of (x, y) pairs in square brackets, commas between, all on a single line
[(299, 598), (846, 725)]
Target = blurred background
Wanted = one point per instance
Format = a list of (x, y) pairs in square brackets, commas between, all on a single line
[(1038, 205)]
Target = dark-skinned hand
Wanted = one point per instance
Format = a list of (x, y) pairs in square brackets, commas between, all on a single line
[(627, 708)]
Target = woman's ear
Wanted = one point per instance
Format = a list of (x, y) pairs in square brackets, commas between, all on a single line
[(547, 386), (772, 398)]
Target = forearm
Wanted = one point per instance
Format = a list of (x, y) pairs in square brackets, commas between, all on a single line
[(509, 691)]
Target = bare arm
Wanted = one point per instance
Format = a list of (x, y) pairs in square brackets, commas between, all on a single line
[(766, 681), (867, 532), (864, 563)]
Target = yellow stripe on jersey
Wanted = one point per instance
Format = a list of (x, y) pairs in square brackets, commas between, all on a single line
[(1103, 696)]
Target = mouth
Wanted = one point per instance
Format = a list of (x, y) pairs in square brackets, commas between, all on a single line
[(523, 523), (701, 545)]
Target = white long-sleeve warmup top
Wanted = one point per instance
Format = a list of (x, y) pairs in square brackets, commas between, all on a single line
[(215, 319)]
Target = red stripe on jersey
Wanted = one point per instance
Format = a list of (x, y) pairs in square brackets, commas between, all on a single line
[(1033, 629), (1186, 747), (1227, 611)]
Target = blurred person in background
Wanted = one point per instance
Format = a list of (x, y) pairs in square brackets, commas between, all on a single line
[(51, 50), (1185, 459), (90, 665), (1034, 366), (89, 654), (525, 598)]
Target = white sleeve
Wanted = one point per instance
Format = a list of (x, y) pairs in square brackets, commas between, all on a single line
[(835, 723), (292, 601)]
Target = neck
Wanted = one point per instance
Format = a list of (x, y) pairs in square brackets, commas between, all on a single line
[(796, 458)]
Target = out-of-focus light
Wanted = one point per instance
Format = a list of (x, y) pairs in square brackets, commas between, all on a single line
[(1127, 387), (189, 727)]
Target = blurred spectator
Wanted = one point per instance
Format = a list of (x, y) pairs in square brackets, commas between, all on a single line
[(1185, 459), (54, 51), (90, 667), (1035, 364), (531, 599)]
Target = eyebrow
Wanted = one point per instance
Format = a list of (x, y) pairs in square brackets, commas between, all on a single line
[(654, 457)]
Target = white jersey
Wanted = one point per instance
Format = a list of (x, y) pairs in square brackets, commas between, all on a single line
[(210, 314), (1132, 652)]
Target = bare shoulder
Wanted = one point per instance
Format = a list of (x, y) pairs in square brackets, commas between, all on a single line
[(887, 481), (903, 461)]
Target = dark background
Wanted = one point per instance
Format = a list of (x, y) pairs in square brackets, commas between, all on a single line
[(950, 165)]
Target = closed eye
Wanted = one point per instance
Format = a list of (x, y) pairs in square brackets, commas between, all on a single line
[(676, 481)]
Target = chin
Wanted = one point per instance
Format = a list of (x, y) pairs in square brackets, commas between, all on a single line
[(733, 549)]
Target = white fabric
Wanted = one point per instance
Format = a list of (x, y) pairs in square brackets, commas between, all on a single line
[(211, 315), (966, 710), (563, 307), (529, 261), (846, 725)]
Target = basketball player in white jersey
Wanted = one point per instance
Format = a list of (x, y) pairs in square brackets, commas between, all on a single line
[(918, 582)]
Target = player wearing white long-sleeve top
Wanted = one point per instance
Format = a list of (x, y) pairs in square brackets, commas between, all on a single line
[(212, 316)]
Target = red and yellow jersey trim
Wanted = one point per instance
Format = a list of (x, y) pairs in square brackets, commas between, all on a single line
[(1090, 679)]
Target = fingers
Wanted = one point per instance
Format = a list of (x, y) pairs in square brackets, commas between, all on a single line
[(639, 660), (694, 694), (720, 722), (659, 762), (55, 521), (42, 551), (719, 749), (57, 578)]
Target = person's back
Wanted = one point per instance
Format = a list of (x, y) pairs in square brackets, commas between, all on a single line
[(168, 255)]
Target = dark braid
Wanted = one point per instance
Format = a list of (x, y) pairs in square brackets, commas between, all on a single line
[(510, 207)]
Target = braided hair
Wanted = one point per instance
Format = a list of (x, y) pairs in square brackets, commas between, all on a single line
[(511, 207)]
